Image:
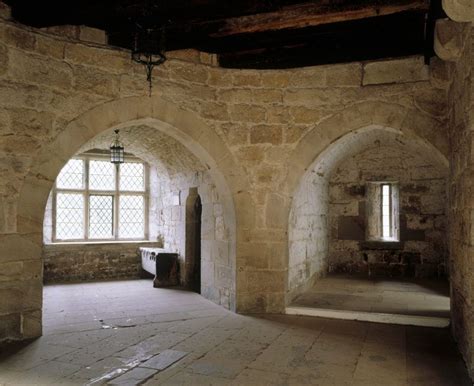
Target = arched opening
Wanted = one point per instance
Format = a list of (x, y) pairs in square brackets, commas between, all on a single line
[(181, 126), (174, 210), (338, 208), (193, 240)]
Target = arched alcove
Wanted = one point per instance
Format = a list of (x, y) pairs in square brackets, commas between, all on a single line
[(185, 128), (309, 215), (172, 172)]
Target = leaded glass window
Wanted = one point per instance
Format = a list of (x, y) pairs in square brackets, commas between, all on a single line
[(97, 200), (132, 210), (72, 175), (132, 177), (101, 216), (101, 175), (69, 216)]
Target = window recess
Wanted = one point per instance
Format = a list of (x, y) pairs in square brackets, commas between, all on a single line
[(95, 200), (382, 202)]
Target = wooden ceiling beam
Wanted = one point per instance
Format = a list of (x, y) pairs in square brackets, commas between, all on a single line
[(310, 15)]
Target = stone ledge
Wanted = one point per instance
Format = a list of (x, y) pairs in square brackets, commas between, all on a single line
[(374, 317), (101, 243)]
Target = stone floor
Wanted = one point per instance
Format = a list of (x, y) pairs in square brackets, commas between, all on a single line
[(405, 297), (127, 333)]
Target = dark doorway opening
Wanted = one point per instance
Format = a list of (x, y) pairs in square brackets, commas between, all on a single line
[(193, 241)]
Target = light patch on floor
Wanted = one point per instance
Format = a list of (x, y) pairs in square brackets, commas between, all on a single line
[(128, 333)]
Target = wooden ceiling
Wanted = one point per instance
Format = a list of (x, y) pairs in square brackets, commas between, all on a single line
[(257, 33)]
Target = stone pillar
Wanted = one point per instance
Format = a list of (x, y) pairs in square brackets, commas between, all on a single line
[(20, 286), (452, 43)]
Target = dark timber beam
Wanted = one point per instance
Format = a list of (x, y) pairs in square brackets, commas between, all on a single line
[(311, 14)]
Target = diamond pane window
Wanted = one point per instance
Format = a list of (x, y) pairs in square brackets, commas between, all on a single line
[(101, 216), (101, 175), (132, 177), (69, 216), (71, 175), (132, 217), (91, 204)]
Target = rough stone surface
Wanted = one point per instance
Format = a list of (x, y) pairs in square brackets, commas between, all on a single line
[(92, 35), (164, 359), (5, 11), (104, 332), (459, 10), (450, 39), (133, 377), (422, 209), (395, 71), (86, 262), (460, 218), (58, 93), (423, 298)]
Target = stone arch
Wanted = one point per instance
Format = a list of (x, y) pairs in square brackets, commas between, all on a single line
[(411, 123), (318, 154), (184, 126)]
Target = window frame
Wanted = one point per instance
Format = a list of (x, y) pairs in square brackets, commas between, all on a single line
[(115, 193)]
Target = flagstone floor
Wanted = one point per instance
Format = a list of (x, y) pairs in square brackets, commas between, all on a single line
[(128, 333), (398, 296)]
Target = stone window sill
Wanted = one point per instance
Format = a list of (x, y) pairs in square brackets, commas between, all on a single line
[(109, 242)]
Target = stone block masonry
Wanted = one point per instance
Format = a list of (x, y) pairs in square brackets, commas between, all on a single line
[(460, 219), (256, 133), (422, 250), (92, 262)]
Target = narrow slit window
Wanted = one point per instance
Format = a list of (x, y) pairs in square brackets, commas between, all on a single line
[(386, 210), (382, 211)]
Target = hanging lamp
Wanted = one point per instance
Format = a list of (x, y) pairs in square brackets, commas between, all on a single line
[(149, 41), (117, 153)]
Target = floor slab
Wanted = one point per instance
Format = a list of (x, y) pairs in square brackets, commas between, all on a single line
[(395, 301), (128, 332)]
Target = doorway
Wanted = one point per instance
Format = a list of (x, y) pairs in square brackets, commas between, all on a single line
[(193, 241)]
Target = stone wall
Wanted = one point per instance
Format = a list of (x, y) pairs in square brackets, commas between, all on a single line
[(310, 210), (216, 273), (422, 247), (461, 200), (308, 234), (255, 132), (86, 262)]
